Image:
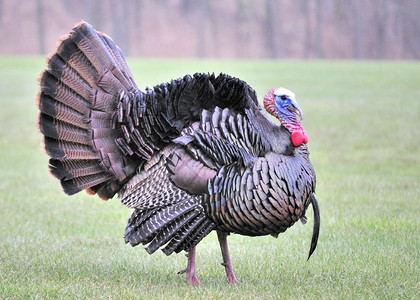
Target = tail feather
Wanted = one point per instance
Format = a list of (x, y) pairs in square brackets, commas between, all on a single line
[(106, 62), (176, 227), (55, 88), (79, 95), (48, 106), (120, 61), (85, 182), (69, 169), (103, 102), (64, 131), (69, 52), (69, 81), (64, 150), (200, 232), (157, 221), (137, 218), (177, 242), (101, 120), (169, 231)]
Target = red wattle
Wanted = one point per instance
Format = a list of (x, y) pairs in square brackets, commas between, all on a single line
[(298, 137)]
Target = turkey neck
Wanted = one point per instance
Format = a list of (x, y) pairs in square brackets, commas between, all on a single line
[(275, 138)]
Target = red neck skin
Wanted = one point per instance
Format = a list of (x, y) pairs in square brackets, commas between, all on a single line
[(297, 133)]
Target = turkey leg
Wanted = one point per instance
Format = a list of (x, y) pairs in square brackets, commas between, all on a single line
[(192, 279), (226, 257)]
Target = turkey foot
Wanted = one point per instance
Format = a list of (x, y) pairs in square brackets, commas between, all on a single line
[(226, 257), (190, 270)]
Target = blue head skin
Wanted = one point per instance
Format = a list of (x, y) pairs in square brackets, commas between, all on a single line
[(282, 104), (286, 104)]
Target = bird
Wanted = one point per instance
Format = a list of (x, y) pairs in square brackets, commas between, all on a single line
[(190, 156)]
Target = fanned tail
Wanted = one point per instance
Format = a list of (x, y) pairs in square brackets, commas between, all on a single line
[(85, 79)]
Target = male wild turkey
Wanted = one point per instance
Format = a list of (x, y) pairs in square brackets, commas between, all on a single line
[(190, 156)]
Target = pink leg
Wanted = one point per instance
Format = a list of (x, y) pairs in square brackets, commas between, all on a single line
[(226, 257), (192, 279)]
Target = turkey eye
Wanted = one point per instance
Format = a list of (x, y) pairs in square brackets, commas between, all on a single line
[(283, 97)]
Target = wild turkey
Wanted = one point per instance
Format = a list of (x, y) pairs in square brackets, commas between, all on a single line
[(190, 156)]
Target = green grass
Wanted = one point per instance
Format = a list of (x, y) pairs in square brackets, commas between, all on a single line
[(363, 121)]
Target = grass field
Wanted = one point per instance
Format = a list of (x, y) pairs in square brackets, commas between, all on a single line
[(363, 121)]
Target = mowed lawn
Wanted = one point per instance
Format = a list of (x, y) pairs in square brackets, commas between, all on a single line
[(363, 121)]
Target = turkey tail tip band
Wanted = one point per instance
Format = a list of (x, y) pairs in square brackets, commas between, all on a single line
[(317, 223)]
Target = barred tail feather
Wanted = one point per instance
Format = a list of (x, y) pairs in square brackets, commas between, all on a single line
[(169, 231), (79, 95), (179, 238), (200, 232), (176, 227)]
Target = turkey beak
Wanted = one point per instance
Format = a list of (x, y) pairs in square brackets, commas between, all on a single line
[(295, 108)]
